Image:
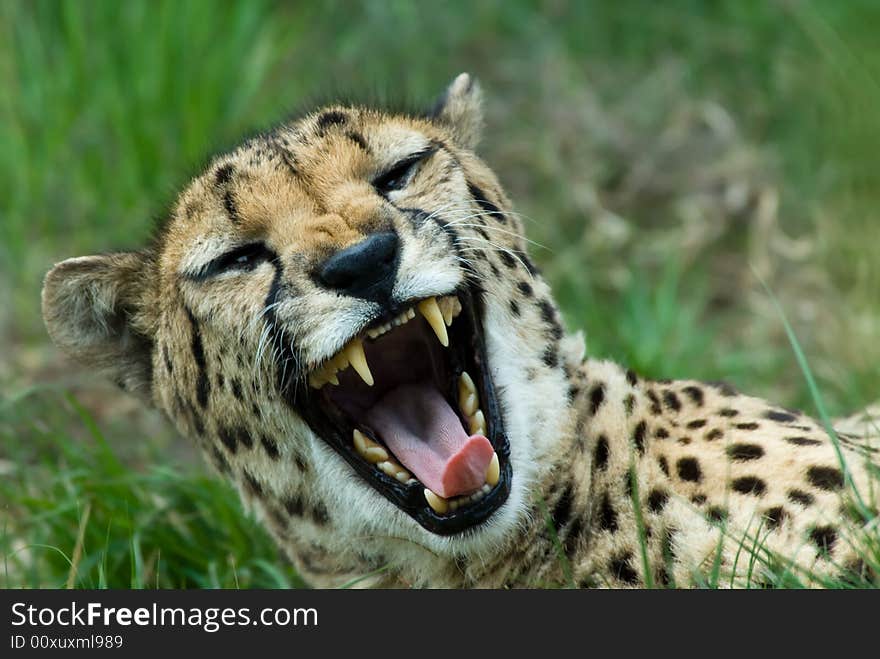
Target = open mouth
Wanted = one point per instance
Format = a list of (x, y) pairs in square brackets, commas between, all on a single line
[(410, 404)]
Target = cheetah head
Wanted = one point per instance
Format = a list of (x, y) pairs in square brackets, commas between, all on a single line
[(342, 314)]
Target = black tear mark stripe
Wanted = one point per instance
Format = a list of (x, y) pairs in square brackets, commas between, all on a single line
[(203, 384), (607, 515), (600, 457), (484, 203)]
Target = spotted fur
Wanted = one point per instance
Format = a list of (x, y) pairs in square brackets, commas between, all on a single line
[(617, 480)]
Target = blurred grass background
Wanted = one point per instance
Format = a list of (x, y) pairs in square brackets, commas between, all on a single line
[(667, 154)]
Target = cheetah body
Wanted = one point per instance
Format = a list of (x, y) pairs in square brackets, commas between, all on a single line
[(616, 480)]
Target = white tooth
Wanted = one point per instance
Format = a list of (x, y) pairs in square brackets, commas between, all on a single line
[(340, 361), (493, 473), (375, 454), (468, 405), (314, 382), (386, 327), (478, 423), (454, 504), (486, 488), (332, 379), (410, 313), (360, 441), (372, 333), (465, 385), (403, 476), (438, 503), (446, 310), (456, 306), (412, 481), (432, 314), (358, 360)]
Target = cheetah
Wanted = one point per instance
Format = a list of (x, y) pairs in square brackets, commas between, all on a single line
[(342, 314)]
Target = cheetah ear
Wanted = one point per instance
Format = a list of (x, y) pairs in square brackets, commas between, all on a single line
[(460, 109), (96, 310)]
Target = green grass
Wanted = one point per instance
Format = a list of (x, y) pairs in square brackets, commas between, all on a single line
[(624, 132)]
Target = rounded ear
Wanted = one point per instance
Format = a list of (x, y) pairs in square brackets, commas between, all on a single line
[(96, 310), (460, 109)]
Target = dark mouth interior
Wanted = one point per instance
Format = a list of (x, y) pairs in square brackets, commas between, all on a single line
[(427, 432)]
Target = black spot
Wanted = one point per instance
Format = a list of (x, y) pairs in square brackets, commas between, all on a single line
[(744, 452), (781, 417), (320, 515), (697, 423), (484, 203), (620, 567), (253, 484), (639, 437), (727, 411), (664, 465), (631, 377), (661, 433), (695, 394), (689, 470), (803, 441), (629, 403), (221, 380), (655, 403), (197, 423), (657, 500), (269, 446), (255, 410), (600, 456), (294, 506), (825, 478), (716, 514), (713, 434), (725, 389), (824, 537), (562, 509), (550, 357), (751, 425), (514, 307), (330, 118), (224, 174), (300, 463), (597, 397), (775, 516), (684, 441), (671, 400), (573, 392), (203, 384), (525, 288), (358, 139), (548, 313), (229, 439), (801, 497), (749, 485), (698, 499), (236, 388), (571, 538), (607, 515), (220, 461)]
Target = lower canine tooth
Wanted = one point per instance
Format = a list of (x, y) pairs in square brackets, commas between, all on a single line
[(438, 503), (493, 473), (469, 405), (432, 314)]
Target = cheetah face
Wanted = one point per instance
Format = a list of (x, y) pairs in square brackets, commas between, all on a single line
[(333, 291)]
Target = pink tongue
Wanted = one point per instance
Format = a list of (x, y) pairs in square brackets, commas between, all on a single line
[(425, 434)]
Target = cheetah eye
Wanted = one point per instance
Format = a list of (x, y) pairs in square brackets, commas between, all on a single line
[(401, 173), (244, 258)]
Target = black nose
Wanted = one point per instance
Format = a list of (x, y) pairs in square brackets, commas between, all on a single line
[(365, 270)]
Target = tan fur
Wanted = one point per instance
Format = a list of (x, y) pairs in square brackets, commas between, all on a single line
[(717, 476)]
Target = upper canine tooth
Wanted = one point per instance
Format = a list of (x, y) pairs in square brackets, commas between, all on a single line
[(493, 473), (355, 353), (438, 503), (431, 312)]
